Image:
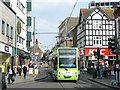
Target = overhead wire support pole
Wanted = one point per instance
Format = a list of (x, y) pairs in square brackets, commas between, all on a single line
[(117, 53), (34, 39), (73, 9)]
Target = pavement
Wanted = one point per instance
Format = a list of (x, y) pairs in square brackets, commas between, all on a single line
[(20, 79), (30, 77), (103, 81)]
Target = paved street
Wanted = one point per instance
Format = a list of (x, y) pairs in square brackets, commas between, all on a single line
[(49, 83)]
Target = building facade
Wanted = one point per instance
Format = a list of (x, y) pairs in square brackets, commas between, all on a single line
[(29, 24), (96, 25), (104, 4), (66, 26), (7, 35), (22, 33)]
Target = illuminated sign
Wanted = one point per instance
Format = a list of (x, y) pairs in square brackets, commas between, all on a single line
[(90, 51), (67, 51), (6, 49)]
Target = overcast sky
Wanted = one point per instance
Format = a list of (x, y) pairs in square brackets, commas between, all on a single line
[(50, 13)]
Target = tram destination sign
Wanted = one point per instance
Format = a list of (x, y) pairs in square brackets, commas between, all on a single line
[(67, 51)]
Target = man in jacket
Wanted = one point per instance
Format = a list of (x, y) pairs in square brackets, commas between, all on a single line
[(25, 71)]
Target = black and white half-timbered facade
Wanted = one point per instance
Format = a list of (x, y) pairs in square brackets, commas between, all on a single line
[(96, 25)]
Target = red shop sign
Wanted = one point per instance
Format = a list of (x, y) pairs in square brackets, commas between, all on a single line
[(90, 51)]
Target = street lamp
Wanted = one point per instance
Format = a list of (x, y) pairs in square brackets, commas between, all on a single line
[(116, 48)]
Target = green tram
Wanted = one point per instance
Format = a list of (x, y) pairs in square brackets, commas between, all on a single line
[(65, 64)]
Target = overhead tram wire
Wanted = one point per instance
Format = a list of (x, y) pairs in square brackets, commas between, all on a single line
[(72, 9), (47, 33)]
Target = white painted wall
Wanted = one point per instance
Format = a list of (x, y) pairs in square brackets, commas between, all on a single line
[(23, 17), (9, 18)]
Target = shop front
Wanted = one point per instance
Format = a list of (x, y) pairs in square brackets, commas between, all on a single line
[(5, 56), (87, 55), (23, 57)]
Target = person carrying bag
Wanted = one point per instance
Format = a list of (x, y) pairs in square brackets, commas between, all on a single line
[(11, 75)]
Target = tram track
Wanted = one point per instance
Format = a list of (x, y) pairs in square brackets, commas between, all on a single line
[(69, 84)]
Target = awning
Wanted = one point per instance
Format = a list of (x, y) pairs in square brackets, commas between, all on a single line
[(22, 52), (29, 48)]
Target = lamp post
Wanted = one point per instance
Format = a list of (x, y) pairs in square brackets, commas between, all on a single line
[(34, 40), (116, 46), (98, 52)]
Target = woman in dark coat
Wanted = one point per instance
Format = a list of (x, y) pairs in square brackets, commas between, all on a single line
[(25, 71)]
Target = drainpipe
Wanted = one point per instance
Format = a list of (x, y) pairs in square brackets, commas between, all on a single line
[(15, 37)]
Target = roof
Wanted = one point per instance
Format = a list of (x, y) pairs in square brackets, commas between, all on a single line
[(107, 11), (68, 19)]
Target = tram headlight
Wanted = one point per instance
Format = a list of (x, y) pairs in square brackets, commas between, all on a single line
[(75, 73), (60, 73)]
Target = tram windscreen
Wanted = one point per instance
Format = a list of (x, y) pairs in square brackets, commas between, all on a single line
[(67, 58)]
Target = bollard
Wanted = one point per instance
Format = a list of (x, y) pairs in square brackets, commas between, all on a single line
[(4, 85), (0, 78)]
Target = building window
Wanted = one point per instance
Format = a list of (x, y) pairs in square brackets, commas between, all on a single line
[(28, 43), (107, 4), (102, 4), (92, 4), (94, 41), (11, 33), (97, 40), (19, 39), (20, 6), (7, 30), (119, 27), (3, 27), (97, 4), (97, 24), (22, 41)]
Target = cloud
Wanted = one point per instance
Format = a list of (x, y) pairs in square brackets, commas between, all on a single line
[(54, 1), (44, 26), (39, 5), (50, 14)]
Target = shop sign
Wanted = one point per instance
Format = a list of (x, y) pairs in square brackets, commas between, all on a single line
[(90, 51), (5, 48), (19, 27)]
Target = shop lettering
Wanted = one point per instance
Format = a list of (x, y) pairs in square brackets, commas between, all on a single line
[(91, 51)]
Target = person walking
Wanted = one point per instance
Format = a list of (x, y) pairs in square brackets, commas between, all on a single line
[(19, 70), (109, 71), (101, 71), (25, 71), (11, 74), (112, 70)]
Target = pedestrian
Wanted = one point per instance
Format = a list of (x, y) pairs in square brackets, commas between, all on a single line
[(25, 71), (19, 70), (109, 71), (11, 74), (112, 70)]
